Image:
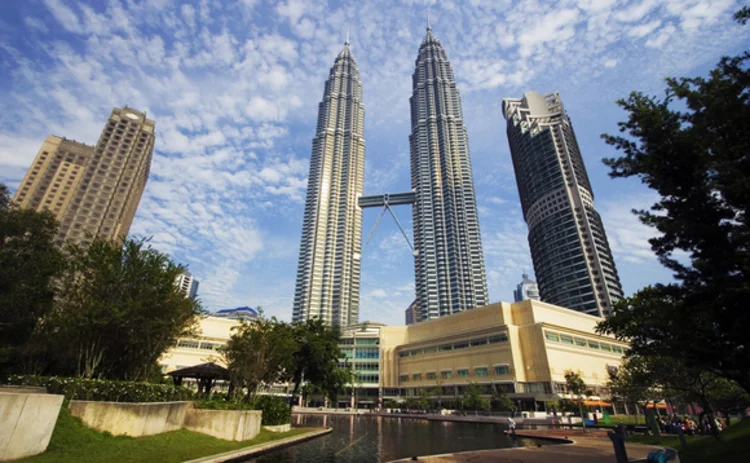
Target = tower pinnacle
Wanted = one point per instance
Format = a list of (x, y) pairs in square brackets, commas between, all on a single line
[(347, 35)]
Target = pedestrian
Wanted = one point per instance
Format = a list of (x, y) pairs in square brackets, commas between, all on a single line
[(511, 426)]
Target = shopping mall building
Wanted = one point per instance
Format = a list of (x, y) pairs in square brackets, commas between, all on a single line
[(523, 349)]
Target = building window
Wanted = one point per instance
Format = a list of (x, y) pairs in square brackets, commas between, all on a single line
[(346, 342), (594, 345), (503, 337), (481, 371), (564, 338), (367, 341), (431, 375), (463, 372), (416, 376), (404, 378), (447, 374), (552, 336), (187, 344), (501, 370)]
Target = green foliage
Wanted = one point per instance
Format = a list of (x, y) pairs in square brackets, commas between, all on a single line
[(275, 410), (742, 15), (117, 313), (259, 352), (73, 442), (500, 401), (634, 382), (104, 390), (696, 160), (30, 262), (473, 400), (316, 358)]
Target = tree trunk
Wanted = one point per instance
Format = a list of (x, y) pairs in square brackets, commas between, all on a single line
[(583, 418)]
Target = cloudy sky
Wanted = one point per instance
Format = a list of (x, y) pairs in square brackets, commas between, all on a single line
[(233, 86)]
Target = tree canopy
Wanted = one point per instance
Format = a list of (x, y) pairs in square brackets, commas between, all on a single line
[(691, 147), (30, 262), (117, 312)]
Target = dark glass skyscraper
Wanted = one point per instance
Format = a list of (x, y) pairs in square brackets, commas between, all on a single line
[(449, 264), (329, 262), (572, 259)]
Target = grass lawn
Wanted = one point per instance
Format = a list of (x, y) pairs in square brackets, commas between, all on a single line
[(72, 441), (734, 445)]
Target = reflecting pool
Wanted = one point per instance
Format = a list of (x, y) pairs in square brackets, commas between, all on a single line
[(373, 439)]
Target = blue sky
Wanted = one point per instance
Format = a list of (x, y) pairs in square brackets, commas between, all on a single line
[(234, 86)]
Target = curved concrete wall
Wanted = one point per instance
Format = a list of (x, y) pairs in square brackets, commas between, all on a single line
[(130, 419), (26, 423), (236, 425)]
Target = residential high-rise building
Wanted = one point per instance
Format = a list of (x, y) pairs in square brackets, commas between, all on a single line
[(93, 191), (526, 289), (188, 284), (411, 315), (329, 263), (54, 178), (572, 259), (449, 263)]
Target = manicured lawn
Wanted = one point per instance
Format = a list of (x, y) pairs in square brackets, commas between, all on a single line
[(734, 445), (74, 442)]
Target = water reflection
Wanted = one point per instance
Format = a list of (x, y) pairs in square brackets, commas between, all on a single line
[(374, 439)]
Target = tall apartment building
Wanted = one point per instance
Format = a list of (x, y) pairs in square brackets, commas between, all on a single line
[(93, 191), (572, 259), (187, 284), (526, 289), (449, 263), (328, 272)]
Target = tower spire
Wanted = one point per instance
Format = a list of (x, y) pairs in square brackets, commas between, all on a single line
[(347, 35), (427, 13)]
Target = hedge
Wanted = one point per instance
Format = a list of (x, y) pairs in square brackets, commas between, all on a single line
[(105, 390), (275, 409)]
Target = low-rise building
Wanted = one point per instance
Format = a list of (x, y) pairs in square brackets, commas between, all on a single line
[(523, 349), (212, 333)]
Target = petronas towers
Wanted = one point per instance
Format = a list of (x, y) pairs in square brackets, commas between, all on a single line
[(448, 258), (329, 260)]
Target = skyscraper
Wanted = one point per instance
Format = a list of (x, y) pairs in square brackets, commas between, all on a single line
[(449, 263), (329, 263), (572, 259), (93, 191), (187, 284), (526, 289)]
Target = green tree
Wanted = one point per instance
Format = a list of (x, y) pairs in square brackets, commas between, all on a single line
[(634, 383), (316, 357), (30, 262), (4, 197), (472, 398), (500, 400), (259, 352), (742, 15), (118, 311), (691, 148), (578, 390)]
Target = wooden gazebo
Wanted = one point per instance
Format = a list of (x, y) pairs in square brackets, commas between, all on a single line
[(206, 374)]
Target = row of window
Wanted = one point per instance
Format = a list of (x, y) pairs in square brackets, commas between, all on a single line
[(481, 372), (474, 342), (359, 341), (192, 344), (361, 353), (580, 342)]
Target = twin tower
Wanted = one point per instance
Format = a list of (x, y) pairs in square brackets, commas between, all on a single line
[(448, 257)]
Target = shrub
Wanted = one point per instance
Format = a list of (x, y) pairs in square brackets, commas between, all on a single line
[(276, 410), (105, 390)]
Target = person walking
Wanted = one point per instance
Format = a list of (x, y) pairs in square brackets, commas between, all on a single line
[(511, 426)]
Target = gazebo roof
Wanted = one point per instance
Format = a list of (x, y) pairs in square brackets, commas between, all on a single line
[(207, 370)]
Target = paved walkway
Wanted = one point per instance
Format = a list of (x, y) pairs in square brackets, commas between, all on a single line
[(594, 447)]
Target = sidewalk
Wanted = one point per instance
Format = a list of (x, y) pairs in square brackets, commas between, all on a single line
[(594, 447)]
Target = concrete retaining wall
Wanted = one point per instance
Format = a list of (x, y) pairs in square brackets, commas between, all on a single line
[(26, 423), (279, 428), (130, 419), (235, 425)]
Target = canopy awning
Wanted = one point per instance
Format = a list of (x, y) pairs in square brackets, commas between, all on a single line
[(659, 406), (596, 403), (208, 370)]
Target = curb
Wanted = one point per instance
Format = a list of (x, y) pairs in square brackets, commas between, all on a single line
[(243, 453)]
